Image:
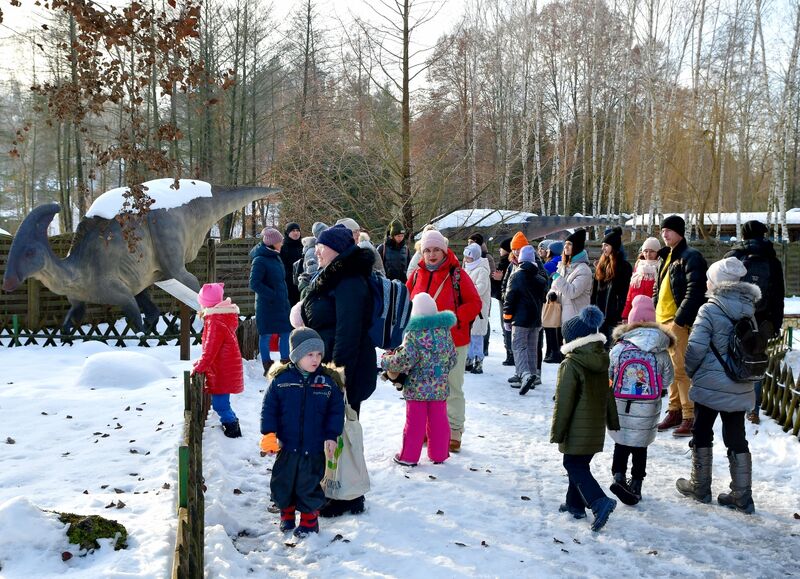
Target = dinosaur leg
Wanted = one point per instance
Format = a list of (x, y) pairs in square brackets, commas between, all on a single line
[(151, 311), (74, 316), (186, 278), (132, 313)]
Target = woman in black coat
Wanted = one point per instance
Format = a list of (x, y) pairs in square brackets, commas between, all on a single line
[(268, 281), (338, 306), (291, 251), (612, 277)]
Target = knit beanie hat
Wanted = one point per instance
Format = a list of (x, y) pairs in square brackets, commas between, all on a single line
[(519, 240), (729, 269), (349, 224), (642, 310), (527, 254), (586, 323), (396, 228), (423, 305), (506, 244), (318, 228), (556, 247), (338, 238), (476, 237), (271, 236), (303, 341), (544, 244), (754, 230), (614, 238), (651, 243), (433, 238), (473, 250), (291, 227), (676, 224), (578, 240), (210, 294)]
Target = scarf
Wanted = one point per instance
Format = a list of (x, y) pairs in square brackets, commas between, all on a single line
[(646, 269), (434, 267), (471, 266)]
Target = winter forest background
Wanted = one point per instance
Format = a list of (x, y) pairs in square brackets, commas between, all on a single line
[(597, 107)]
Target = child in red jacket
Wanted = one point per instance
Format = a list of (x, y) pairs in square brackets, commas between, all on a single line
[(221, 361), (644, 274)]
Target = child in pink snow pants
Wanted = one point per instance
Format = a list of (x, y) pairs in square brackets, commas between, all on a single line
[(426, 355)]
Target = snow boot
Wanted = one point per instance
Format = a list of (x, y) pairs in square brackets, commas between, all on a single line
[(685, 429), (309, 523), (402, 462), (624, 492), (671, 420), (455, 445), (515, 381), (231, 429), (528, 384), (576, 513), (537, 381), (741, 495), (699, 485), (477, 367), (509, 361), (602, 508), (635, 484), (469, 365), (754, 417), (287, 519), (267, 364)]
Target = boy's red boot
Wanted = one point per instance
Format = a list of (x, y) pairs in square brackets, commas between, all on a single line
[(309, 523), (287, 519)]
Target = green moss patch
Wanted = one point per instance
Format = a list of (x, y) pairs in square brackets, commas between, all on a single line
[(85, 530)]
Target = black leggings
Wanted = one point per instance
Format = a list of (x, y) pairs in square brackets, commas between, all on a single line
[(619, 464), (733, 434)]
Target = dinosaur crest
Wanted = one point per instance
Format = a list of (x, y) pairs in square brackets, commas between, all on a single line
[(30, 247)]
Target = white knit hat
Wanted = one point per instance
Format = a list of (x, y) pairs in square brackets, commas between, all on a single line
[(651, 243), (729, 269), (423, 305), (433, 238)]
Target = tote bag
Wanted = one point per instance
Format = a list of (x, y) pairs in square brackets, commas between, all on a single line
[(346, 475), (551, 315)]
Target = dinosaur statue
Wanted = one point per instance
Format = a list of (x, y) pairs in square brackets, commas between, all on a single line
[(533, 227), (101, 269)]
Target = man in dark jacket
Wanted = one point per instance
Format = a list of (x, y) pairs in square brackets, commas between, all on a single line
[(765, 270), (394, 252), (679, 292), (291, 251), (499, 283)]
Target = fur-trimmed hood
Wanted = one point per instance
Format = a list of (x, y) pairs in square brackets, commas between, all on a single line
[(308, 242), (574, 344), (354, 261), (445, 319), (736, 298), (226, 306), (335, 373), (647, 336)]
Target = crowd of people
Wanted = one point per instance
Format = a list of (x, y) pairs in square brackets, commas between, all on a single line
[(623, 336)]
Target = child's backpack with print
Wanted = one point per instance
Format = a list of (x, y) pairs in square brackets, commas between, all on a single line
[(637, 376), (391, 308)]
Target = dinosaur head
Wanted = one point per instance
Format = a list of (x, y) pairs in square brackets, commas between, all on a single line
[(30, 248)]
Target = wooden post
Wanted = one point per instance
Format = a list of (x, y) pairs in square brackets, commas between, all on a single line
[(15, 326), (183, 477), (211, 263), (34, 318), (185, 340)]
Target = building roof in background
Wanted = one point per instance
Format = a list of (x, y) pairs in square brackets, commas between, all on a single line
[(480, 217), (792, 217)]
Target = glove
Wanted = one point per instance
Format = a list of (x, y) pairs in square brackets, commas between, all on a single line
[(507, 326), (269, 444)]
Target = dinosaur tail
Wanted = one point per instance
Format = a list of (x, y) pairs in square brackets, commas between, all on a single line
[(225, 200)]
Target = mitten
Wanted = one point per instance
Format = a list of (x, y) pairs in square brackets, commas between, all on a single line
[(269, 444)]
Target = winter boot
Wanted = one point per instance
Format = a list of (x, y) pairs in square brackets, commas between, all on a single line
[(515, 381), (671, 420), (477, 367), (509, 361), (528, 384), (309, 523), (576, 513), (267, 365), (469, 365), (620, 488), (685, 429), (754, 417), (741, 495), (635, 484), (602, 508), (285, 361), (455, 445), (537, 380), (356, 505), (699, 485), (287, 519), (231, 429)]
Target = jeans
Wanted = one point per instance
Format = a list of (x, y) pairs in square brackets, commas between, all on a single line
[(283, 346), (583, 489), (733, 434), (619, 463), (423, 418), (486, 339), (475, 351), (757, 388), (221, 403)]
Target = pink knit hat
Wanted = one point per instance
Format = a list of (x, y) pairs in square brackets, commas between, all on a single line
[(423, 305), (210, 294), (271, 236), (433, 238), (642, 310)]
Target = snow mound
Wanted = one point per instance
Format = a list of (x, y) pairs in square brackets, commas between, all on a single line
[(121, 370), (109, 204), (30, 538)]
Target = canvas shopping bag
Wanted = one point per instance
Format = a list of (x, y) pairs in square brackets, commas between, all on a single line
[(551, 315), (346, 475)]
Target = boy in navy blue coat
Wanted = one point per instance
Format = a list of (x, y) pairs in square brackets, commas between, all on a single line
[(304, 407)]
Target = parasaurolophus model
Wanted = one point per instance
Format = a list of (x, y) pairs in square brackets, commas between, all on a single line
[(101, 269)]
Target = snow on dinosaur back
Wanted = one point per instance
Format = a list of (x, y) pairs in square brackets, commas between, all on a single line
[(109, 204)]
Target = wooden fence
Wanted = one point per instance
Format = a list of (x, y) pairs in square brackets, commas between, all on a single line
[(780, 394), (188, 560)]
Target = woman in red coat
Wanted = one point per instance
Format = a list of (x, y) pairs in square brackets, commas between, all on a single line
[(221, 361), (645, 271), (440, 276)]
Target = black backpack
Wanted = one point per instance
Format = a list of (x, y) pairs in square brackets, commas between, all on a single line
[(758, 273), (746, 359)]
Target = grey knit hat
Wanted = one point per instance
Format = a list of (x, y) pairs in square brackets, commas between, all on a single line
[(318, 228), (303, 341)]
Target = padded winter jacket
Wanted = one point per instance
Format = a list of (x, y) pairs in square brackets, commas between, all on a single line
[(291, 251), (584, 403), (395, 259), (221, 360), (687, 278), (303, 412), (638, 418), (481, 277), (710, 385), (610, 295), (268, 280), (573, 286), (525, 296), (643, 282), (338, 306), (427, 355), (465, 302)]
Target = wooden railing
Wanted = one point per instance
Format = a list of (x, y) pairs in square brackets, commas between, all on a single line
[(780, 394), (188, 561)]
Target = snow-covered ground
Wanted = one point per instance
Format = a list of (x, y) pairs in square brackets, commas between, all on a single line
[(86, 426)]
